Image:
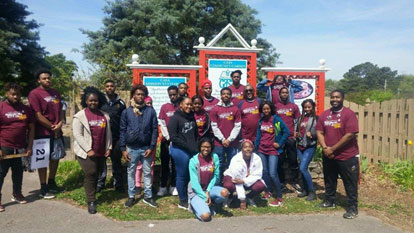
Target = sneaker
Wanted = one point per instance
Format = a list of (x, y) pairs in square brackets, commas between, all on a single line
[(228, 202), (53, 187), (267, 195), (162, 191), (183, 205), (277, 202), (327, 204), (45, 194), (311, 196), (304, 193), (130, 202), (243, 205), (19, 198), (150, 202), (174, 192), (297, 188), (92, 207), (351, 213), (251, 202)]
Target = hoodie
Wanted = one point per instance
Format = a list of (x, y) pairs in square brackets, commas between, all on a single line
[(183, 131)]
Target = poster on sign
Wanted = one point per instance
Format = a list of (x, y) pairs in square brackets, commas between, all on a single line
[(219, 71), (41, 153), (157, 89), (308, 92)]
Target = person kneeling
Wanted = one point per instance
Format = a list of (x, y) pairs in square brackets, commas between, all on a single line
[(245, 172), (203, 190)]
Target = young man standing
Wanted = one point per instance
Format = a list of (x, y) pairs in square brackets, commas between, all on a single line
[(226, 124), (337, 130), (17, 124), (138, 138), (236, 88), (209, 100), (114, 106), (182, 89), (289, 112), (250, 115), (166, 112), (46, 103)]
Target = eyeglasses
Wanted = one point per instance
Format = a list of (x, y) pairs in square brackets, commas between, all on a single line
[(249, 90)]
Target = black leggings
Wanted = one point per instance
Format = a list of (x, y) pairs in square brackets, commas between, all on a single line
[(16, 168)]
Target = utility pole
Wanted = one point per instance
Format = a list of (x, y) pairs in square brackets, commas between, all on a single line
[(385, 85)]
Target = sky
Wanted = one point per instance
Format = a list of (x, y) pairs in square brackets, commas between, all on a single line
[(344, 33)]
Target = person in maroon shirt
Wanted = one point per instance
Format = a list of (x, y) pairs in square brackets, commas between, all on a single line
[(182, 89), (16, 125), (209, 100), (249, 108), (337, 130), (289, 112), (236, 88), (226, 124), (46, 103), (93, 141), (201, 116), (166, 112)]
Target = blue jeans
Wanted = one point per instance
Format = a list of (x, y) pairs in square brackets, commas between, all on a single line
[(137, 155), (305, 157), (181, 160), (199, 205), (270, 173), (222, 152)]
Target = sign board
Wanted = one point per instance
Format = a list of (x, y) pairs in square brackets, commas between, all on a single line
[(157, 89), (308, 92), (41, 153), (219, 71)]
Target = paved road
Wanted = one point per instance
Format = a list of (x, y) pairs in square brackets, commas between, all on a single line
[(55, 216)]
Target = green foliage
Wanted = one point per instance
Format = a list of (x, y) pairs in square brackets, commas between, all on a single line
[(331, 85), (20, 53), (63, 71), (402, 172), (361, 97), (405, 86), (164, 32), (318, 154)]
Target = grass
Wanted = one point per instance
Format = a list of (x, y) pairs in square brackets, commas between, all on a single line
[(401, 172), (111, 203)]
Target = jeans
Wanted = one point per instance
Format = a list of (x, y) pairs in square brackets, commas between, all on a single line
[(292, 159), (181, 159), (349, 171), (92, 167), (116, 167), (222, 152), (137, 155), (16, 168), (199, 205), (270, 173), (305, 157)]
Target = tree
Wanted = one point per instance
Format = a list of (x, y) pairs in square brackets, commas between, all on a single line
[(20, 53), (165, 31), (367, 76), (331, 85), (63, 71), (405, 87)]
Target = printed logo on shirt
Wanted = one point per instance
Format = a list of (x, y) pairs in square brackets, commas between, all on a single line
[(332, 123), (251, 110), (285, 111), (207, 168), (267, 128), (101, 123), (52, 99), (170, 113), (187, 127), (200, 122), (226, 115), (16, 115), (208, 108), (303, 124)]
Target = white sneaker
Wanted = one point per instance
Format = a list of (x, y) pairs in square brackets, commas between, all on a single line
[(173, 191), (162, 191)]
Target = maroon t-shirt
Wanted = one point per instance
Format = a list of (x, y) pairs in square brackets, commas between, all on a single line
[(275, 93), (335, 125), (209, 104), (302, 129), (250, 118), (201, 120), (289, 113), (267, 139), (206, 170), (166, 112), (225, 117), (97, 124), (14, 124), (236, 94), (48, 103)]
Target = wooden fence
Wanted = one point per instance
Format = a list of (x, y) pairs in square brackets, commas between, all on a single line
[(386, 130)]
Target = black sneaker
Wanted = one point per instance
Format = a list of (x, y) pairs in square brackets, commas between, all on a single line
[(92, 207), (327, 204), (19, 198), (183, 205), (150, 202), (130, 202), (45, 194), (351, 213), (304, 193), (53, 188), (311, 196), (251, 202)]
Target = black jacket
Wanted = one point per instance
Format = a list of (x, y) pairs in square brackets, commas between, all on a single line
[(183, 131), (114, 110)]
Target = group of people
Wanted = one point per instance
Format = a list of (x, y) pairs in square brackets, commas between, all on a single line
[(213, 151)]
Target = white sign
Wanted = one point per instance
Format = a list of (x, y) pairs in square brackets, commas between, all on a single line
[(157, 89), (308, 92), (219, 71), (41, 153)]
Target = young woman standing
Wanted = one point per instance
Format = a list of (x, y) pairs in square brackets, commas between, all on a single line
[(201, 116)]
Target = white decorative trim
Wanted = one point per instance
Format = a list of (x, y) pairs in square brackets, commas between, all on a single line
[(164, 67), (228, 49), (295, 69)]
